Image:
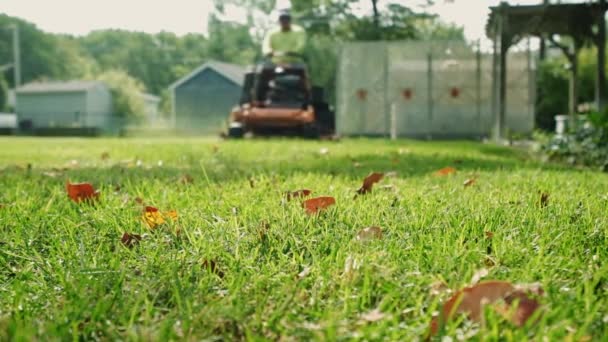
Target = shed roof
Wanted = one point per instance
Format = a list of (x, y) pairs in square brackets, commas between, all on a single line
[(233, 72), (58, 87)]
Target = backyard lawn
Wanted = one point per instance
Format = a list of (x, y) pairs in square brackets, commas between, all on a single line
[(238, 261)]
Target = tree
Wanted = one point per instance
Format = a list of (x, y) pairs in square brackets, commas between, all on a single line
[(126, 94)]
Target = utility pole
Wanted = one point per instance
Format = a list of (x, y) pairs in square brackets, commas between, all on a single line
[(16, 56)]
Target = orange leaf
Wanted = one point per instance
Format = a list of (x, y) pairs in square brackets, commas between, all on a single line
[(172, 214), (472, 300), (446, 171), (370, 233), (152, 217), (130, 240), (81, 192), (314, 205), (369, 181), (298, 194), (469, 182)]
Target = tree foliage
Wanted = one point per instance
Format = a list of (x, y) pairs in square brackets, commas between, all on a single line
[(126, 93)]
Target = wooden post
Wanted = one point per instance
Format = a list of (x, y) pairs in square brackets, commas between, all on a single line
[(600, 87)]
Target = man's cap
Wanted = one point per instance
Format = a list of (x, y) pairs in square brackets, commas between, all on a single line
[(285, 14)]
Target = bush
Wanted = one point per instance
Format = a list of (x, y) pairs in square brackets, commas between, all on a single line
[(126, 94), (587, 145)]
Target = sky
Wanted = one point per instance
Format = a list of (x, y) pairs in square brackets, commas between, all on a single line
[(79, 17)]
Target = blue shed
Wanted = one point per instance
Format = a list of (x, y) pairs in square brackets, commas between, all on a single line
[(202, 100)]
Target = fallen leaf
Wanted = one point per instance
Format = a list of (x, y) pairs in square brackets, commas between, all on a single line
[(305, 272), (105, 156), (139, 200), (172, 214), (489, 235), (477, 276), (472, 300), (298, 194), (81, 191), (544, 199), (186, 179), (314, 205), (438, 288), (373, 316), (211, 266), (130, 240), (357, 164), (215, 148), (469, 182), (324, 151), (152, 217), (369, 181), (370, 233), (446, 171)]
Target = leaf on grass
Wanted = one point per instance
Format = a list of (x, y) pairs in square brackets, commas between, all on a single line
[(211, 266), (172, 214), (514, 302), (370, 233), (139, 200), (489, 235), (469, 182), (446, 171), (315, 205), (186, 179), (298, 194), (105, 156), (305, 272), (369, 181), (130, 240), (152, 217), (324, 151), (544, 199), (477, 276), (373, 316), (81, 192)]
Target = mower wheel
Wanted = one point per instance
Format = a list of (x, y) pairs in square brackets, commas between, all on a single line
[(311, 131), (236, 132)]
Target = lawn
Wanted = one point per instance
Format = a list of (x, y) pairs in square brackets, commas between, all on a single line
[(241, 262)]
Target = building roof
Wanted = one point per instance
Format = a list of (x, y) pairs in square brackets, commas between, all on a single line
[(58, 87), (232, 72)]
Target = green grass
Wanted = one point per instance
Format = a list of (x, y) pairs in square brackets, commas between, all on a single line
[(64, 273)]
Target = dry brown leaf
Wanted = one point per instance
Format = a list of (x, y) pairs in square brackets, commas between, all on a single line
[(315, 205), (370, 233), (544, 199), (130, 240), (81, 192), (446, 171), (369, 181), (139, 200), (186, 179), (472, 300), (373, 316), (477, 276), (105, 156), (469, 182)]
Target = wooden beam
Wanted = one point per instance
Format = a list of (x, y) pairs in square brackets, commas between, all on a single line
[(600, 86)]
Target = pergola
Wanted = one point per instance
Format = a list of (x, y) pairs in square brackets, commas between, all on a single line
[(583, 23)]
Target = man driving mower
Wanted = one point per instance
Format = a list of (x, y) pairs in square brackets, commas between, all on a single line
[(286, 44)]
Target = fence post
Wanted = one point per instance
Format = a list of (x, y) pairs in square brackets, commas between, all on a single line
[(394, 120)]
